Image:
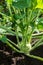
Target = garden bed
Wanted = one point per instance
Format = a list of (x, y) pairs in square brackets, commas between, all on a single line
[(9, 57), (21, 32)]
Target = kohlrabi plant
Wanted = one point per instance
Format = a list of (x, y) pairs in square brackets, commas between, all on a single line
[(22, 19)]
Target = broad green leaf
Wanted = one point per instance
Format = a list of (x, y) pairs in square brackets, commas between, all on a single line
[(24, 4), (20, 4), (40, 27), (3, 38), (40, 24), (39, 4)]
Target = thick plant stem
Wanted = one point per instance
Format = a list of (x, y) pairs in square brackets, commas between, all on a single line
[(9, 8), (10, 11), (10, 45), (35, 57)]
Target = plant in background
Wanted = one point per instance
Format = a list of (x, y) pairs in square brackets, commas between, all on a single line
[(21, 18)]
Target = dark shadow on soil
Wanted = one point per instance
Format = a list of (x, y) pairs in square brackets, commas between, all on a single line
[(5, 59)]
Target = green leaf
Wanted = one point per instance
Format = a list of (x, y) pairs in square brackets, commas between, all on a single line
[(24, 4), (3, 39), (40, 24), (20, 4), (39, 4)]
